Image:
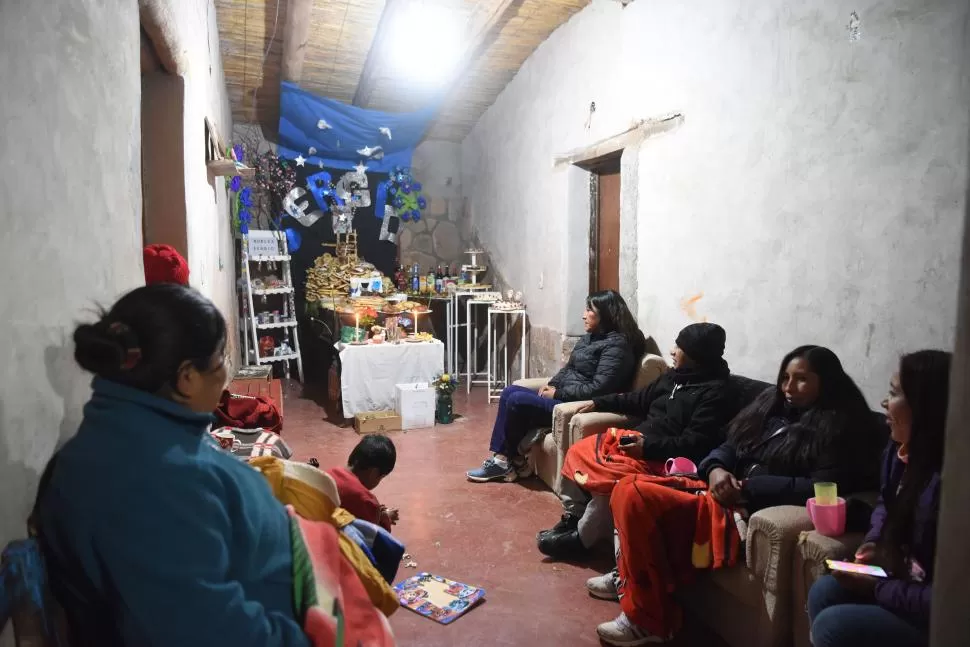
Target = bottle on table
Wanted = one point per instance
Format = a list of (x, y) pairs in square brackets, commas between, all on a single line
[(439, 281), (415, 280), (430, 279)]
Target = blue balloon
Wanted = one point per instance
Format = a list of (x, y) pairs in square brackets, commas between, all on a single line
[(422, 202), (407, 190), (405, 216), (416, 186), (416, 215), (293, 239)]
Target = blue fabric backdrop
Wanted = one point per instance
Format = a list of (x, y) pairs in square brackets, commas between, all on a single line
[(351, 129)]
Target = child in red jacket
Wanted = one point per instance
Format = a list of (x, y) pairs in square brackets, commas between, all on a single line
[(371, 460)]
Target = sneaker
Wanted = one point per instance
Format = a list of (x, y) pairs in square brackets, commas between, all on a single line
[(491, 471), (563, 546), (566, 523), (623, 633), (603, 587)]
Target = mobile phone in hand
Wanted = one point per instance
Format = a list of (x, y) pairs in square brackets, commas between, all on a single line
[(858, 569), (628, 440)]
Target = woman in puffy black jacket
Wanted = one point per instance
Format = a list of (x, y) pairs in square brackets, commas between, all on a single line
[(604, 361)]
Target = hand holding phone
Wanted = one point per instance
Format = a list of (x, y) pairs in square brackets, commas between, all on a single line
[(855, 568)]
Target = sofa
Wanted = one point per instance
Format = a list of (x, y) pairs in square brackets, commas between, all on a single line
[(759, 603)]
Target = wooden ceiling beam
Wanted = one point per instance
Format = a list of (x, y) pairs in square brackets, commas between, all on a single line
[(296, 34), (378, 46)]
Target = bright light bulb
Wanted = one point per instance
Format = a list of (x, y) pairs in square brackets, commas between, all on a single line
[(426, 43)]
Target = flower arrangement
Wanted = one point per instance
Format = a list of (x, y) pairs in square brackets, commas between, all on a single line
[(405, 194), (445, 384), (366, 317)]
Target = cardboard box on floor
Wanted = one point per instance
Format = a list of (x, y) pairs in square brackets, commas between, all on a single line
[(377, 422), (415, 402)]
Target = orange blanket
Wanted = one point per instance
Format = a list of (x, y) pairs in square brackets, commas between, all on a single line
[(668, 528), (596, 464)]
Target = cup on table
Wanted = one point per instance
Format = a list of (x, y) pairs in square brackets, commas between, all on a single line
[(226, 440), (679, 465), (829, 519)]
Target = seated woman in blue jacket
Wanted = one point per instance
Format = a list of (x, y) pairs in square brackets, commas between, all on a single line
[(152, 535), (604, 361), (850, 610)]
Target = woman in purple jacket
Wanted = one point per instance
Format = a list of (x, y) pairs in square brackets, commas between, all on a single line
[(859, 610)]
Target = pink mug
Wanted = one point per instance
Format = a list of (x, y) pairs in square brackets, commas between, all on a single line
[(829, 520), (680, 465)]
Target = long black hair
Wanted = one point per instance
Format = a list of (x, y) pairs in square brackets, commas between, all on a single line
[(840, 406), (615, 315), (924, 377), (144, 339)]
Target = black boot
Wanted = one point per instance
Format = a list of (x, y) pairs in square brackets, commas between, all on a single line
[(563, 545), (566, 523)]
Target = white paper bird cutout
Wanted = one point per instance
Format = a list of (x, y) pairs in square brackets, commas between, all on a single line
[(300, 160), (312, 151), (385, 131), (360, 168), (370, 151), (323, 125)]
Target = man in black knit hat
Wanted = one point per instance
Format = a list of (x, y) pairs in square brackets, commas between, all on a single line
[(684, 412)]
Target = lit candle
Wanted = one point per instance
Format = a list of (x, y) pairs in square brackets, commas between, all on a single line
[(356, 326)]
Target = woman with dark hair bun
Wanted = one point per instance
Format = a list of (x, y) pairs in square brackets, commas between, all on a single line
[(603, 361), (847, 609), (151, 534)]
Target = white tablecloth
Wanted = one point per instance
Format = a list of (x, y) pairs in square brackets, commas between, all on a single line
[(369, 372)]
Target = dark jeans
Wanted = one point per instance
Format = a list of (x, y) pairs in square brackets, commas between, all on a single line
[(519, 410), (840, 619)]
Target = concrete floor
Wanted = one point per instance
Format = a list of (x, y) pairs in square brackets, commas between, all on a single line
[(481, 534)]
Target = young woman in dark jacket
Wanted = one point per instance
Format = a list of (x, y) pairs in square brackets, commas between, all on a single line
[(858, 610), (684, 413), (813, 425), (603, 361)]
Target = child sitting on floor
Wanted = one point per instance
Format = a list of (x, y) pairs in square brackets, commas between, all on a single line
[(371, 460)]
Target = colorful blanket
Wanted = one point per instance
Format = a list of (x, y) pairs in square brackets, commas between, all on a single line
[(329, 598)]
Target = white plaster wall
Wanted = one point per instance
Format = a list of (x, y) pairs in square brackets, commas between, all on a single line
[(70, 208), (210, 239), (814, 193)]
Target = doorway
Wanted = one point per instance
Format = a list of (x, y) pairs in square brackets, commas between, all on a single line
[(604, 226)]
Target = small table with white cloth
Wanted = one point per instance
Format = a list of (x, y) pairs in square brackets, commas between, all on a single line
[(369, 372)]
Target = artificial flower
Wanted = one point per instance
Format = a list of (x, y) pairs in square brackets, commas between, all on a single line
[(239, 152), (235, 184), (246, 197)]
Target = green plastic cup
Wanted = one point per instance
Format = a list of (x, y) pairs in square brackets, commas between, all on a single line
[(826, 494)]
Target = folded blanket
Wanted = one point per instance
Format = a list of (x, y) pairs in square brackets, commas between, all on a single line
[(384, 550), (313, 495), (329, 597)]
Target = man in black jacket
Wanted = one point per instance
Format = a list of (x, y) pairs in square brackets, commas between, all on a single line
[(684, 413)]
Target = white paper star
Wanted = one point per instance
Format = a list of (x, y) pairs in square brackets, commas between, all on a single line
[(312, 151), (323, 125), (360, 168), (368, 151), (385, 131), (300, 160)]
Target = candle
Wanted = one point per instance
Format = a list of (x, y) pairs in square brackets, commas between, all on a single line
[(356, 326)]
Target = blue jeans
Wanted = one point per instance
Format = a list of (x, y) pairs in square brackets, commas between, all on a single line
[(519, 410), (840, 619)]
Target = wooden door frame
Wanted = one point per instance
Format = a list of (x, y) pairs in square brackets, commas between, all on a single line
[(609, 163)]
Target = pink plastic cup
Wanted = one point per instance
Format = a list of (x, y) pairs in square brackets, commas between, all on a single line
[(679, 465), (829, 520)]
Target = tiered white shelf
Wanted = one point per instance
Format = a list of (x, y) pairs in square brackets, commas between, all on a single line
[(288, 325)]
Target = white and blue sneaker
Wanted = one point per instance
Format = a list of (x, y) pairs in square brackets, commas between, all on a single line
[(623, 633), (492, 470)]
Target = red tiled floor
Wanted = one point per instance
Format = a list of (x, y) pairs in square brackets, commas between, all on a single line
[(482, 534)]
